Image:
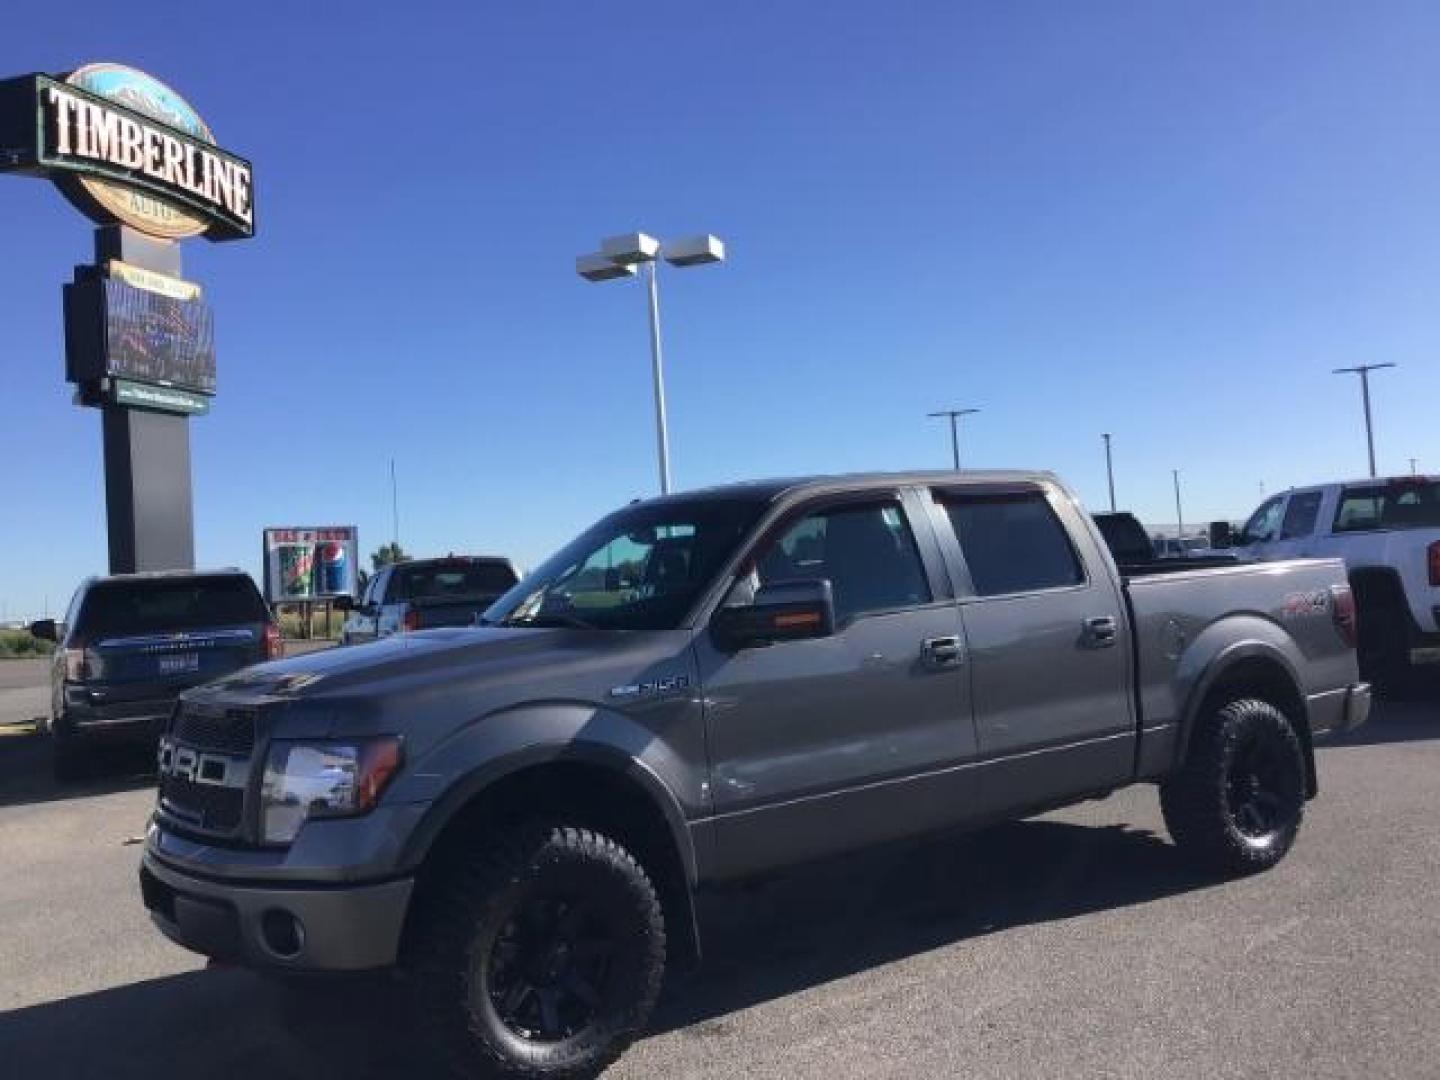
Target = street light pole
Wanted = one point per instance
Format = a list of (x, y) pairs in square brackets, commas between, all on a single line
[(1179, 515), (617, 258), (954, 416), (657, 371), (1109, 470), (1363, 370)]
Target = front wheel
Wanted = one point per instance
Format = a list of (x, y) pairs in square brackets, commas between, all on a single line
[(1237, 803), (541, 956)]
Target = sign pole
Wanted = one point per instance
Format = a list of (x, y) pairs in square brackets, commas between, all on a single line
[(149, 503)]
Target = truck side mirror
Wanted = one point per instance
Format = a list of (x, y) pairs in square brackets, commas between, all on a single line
[(783, 611), (45, 630)]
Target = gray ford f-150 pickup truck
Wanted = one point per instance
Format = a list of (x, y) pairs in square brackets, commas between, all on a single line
[(706, 686)]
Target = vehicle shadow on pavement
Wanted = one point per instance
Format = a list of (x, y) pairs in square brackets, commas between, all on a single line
[(1412, 720), (213, 1024), (830, 921), (763, 942), (26, 775)]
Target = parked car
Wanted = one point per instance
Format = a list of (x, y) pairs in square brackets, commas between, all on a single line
[(1388, 532), (132, 642), (422, 594), (705, 687)]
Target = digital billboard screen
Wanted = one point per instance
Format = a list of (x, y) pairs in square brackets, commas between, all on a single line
[(158, 339)]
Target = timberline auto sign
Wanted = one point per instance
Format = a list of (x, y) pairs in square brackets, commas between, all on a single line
[(125, 147)]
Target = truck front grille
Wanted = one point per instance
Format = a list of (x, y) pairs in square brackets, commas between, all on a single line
[(204, 806), (227, 731)]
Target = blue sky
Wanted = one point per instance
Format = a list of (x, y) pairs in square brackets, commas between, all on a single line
[(1168, 221)]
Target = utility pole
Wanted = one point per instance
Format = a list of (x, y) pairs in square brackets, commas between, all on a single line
[(1179, 515), (1109, 470), (1412, 467), (1363, 370), (954, 416)]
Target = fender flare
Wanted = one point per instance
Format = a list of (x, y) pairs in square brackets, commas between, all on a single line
[(1221, 665), (596, 755)]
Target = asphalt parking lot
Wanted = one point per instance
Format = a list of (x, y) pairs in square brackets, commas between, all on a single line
[(1072, 945)]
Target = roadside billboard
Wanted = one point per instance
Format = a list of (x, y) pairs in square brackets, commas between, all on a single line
[(310, 563)]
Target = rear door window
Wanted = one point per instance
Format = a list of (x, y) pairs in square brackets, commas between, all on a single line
[(1012, 543), (1300, 514), (161, 605), (1398, 504)]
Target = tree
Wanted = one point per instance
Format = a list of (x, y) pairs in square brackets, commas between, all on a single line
[(388, 553)]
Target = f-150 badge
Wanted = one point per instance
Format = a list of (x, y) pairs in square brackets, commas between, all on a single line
[(651, 687)]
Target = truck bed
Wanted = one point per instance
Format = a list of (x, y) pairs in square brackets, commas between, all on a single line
[(1182, 619)]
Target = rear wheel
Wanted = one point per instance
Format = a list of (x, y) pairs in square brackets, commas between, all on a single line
[(1237, 803), (1383, 647), (540, 957)]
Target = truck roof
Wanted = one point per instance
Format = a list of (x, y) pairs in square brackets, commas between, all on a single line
[(1368, 481), (770, 489)]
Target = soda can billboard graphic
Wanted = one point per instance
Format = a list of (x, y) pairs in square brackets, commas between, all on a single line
[(297, 570), (333, 564), (310, 563)]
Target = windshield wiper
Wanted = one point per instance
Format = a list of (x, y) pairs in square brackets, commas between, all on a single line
[(550, 619)]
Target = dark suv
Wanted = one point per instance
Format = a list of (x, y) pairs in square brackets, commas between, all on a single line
[(130, 643)]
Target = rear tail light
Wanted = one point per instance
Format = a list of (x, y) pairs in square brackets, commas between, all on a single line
[(77, 667), (274, 643), (82, 664), (1432, 557), (411, 620), (1342, 608)]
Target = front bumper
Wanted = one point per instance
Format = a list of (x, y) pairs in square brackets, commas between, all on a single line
[(279, 927)]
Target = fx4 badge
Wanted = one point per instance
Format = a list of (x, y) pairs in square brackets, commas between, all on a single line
[(1298, 605), (650, 687)]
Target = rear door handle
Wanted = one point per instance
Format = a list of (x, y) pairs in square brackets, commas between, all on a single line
[(941, 651), (1101, 631)]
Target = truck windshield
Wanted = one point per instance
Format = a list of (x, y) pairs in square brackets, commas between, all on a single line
[(1398, 504), (642, 568)]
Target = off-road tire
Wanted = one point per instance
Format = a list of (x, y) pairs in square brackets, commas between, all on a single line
[(460, 925), (1212, 811)]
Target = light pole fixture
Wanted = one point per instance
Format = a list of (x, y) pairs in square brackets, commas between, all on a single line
[(1363, 370), (619, 257), (1179, 514), (1109, 470), (954, 415)]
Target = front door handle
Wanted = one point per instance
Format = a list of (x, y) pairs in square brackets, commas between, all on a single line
[(941, 651), (1101, 631)]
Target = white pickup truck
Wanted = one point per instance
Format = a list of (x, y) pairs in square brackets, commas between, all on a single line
[(1388, 532)]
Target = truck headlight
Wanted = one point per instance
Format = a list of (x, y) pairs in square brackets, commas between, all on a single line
[(307, 779)]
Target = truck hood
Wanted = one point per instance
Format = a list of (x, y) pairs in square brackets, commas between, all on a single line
[(428, 655)]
